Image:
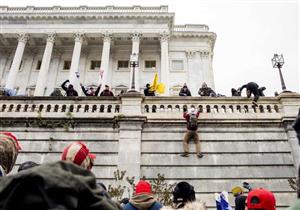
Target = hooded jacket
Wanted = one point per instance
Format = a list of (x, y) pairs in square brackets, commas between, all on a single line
[(143, 201), (57, 186)]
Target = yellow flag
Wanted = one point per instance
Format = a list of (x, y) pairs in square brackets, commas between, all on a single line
[(161, 88), (154, 84)]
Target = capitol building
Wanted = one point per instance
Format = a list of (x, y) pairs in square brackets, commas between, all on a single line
[(43, 46)]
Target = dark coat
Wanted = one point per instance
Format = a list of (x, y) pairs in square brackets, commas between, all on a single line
[(240, 202), (106, 93), (70, 91), (148, 92), (155, 206), (91, 94), (185, 92), (59, 185)]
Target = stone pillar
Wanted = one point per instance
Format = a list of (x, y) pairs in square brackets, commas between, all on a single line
[(43, 74), (208, 76), (4, 58), (164, 71), (78, 37), (11, 79), (105, 60), (289, 110), (135, 49), (192, 73)]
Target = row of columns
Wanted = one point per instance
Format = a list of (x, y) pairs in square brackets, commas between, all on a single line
[(103, 74)]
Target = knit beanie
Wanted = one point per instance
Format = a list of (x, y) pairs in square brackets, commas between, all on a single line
[(183, 192), (143, 187), (9, 149), (79, 154)]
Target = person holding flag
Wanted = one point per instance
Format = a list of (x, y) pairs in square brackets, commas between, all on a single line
[(156, 86)]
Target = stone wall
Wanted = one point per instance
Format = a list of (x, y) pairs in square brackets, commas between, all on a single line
[(144, 137)]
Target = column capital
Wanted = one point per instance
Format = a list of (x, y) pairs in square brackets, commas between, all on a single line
[(78, 37), (23, 37), (135, 37), (51, 37), (190, 54), (106, 37), (164, 37)]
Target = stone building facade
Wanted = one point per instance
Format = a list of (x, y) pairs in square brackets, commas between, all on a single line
[(41, 47)]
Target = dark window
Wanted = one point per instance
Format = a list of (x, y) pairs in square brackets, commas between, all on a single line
[(123, 64), (67, 65), (150, 64), (19, 66), (95, 64), (38, 65)]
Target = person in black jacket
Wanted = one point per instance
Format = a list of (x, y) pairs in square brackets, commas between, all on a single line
[(106, 92), (240, 198), (91, 91), (70, 91), (148, 92), (185, 91), (251, 88)]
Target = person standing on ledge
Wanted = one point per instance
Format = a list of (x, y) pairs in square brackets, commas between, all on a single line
[(91, 91), (106, 92), (184, 91), (70, 91), (191, 133), (148, 91), (251, 88)]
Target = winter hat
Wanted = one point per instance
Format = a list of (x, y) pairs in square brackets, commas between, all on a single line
[(143, 187), (9, 149), (261, 199), (183, 192), (236, 191), (27, 165), (79, 154)]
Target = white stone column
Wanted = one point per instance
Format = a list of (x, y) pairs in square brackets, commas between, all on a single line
[(43, 74), (105, 60), (135, 49), (192, 73), (12, 75), (164, 71), (208, 76), (78, 37)]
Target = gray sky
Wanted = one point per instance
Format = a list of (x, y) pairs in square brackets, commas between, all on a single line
[(248, 34)]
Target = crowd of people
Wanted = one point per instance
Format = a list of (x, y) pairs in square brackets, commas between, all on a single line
[(70, 184)]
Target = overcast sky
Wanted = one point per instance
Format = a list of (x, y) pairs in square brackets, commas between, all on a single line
[(248, 32)]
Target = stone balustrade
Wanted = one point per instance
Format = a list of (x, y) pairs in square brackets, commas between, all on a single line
[(80, 9), (190, 27), (59, 104), (147, 106), (211, 105)]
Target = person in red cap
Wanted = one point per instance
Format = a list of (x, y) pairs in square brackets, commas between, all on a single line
[(261, 199), (79, 154), (143, 198), (9, 150)]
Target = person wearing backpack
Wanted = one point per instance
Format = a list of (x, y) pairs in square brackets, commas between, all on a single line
[(191, 133)]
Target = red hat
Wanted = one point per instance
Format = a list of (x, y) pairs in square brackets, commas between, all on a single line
[(261, 199), (79, 154), (9, 150), (143, 187)]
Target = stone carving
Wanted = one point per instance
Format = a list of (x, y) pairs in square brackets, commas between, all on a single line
[(79, 37), (107, 37), (51, 37), (164, 37), (135, 37), (23, 37), (190, 54)]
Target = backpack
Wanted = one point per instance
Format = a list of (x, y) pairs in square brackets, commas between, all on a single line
[(193, 121)]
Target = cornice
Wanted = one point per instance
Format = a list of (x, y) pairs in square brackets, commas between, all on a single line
[(210, 37)]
